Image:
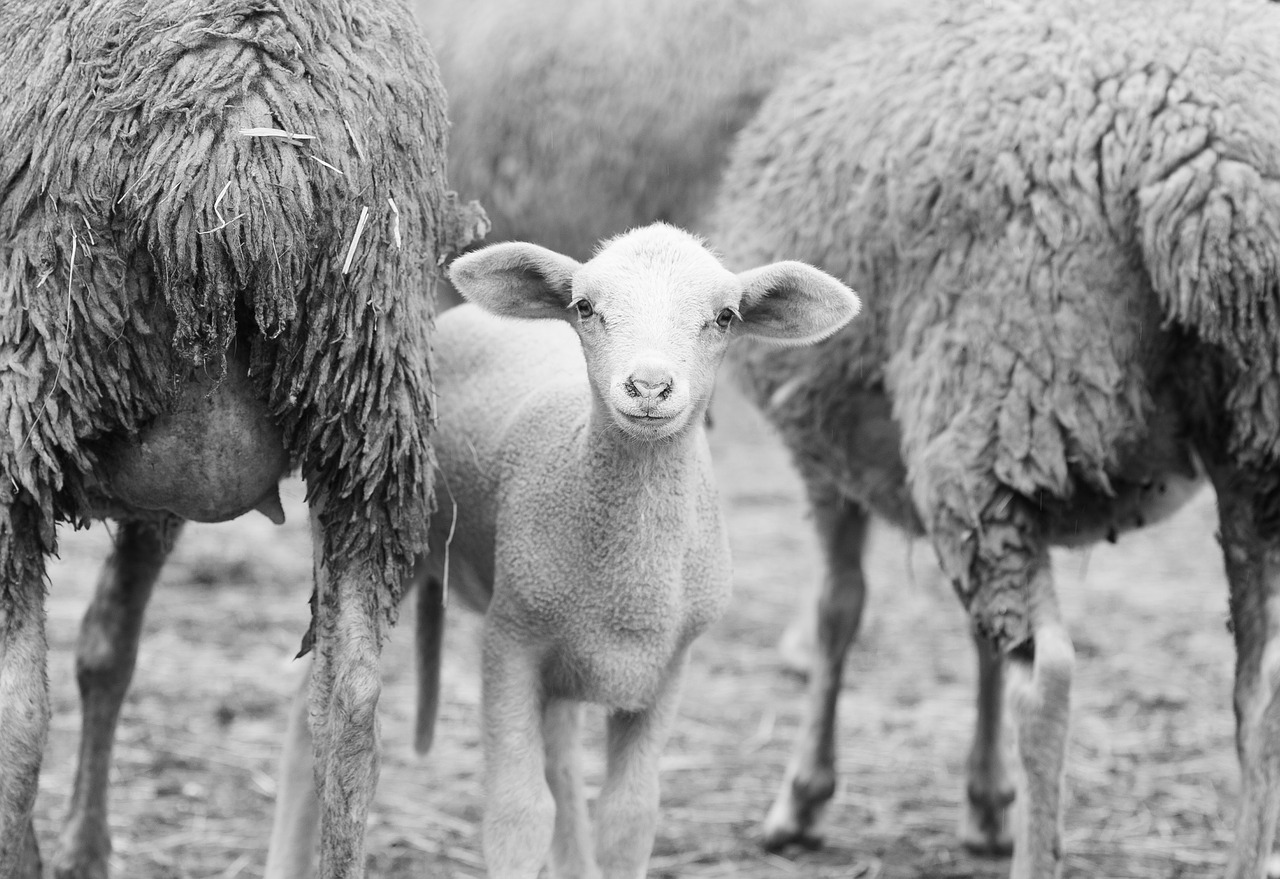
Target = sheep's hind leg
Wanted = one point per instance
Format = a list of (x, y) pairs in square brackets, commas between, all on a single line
[(627, 810), (345, 686), (1039, 693), (24, 689), (985, 826), (1253, 574), (105, 657), (811, 776), (571, 855)]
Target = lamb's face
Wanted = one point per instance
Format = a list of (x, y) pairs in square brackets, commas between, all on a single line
[(654, 318), (655, 311)]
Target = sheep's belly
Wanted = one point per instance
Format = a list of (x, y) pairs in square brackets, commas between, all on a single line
[(1092, 516)]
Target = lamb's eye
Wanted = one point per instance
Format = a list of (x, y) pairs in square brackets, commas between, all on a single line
[(585, 308), (725, 318)]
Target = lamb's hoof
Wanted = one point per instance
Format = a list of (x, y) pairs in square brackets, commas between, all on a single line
[(986, 827), (79, 868)]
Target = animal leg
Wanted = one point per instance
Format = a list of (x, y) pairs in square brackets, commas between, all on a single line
[(1253, 574), (105, 657), (985, 826), (627, 810), (428, 649), (24, 689), (295, 826), (519, 811), (811, 775), (345, 686), (799, 641), (571, 855), (1039, 695)]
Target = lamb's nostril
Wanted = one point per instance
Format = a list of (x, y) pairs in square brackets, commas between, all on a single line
[(638, 387)]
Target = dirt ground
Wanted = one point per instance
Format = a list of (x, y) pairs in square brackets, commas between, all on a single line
[(1151, 776)]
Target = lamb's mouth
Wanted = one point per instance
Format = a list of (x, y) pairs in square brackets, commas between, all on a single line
[(651, 424)]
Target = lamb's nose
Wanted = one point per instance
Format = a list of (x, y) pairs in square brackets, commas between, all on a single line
[(650, 386)]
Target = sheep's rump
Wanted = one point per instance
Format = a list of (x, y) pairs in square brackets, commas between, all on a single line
[(142, 231), (1027, 195)]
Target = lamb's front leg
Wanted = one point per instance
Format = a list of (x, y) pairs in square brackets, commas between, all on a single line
[(105, 657), (1253, 574), (519, 811), (627, 809), (571, 854)]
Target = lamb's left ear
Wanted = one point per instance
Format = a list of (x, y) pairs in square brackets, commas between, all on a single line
[(793, 303), (516, 279)]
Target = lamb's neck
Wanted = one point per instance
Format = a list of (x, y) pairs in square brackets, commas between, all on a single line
[(612, 459)]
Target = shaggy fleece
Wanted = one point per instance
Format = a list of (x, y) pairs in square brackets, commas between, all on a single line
[(142, 231), (1064, 219)]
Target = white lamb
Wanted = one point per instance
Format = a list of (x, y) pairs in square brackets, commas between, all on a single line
[(588, 527)]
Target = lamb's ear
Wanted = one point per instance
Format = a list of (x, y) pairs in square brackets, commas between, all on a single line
[(516, 279), (793, 303)]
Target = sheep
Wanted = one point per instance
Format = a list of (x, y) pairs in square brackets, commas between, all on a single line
[(587, 527), (1066, 220), (575, 120), (219, 227)]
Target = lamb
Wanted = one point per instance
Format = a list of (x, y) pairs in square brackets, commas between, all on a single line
[(587, 527), (219, 226), (1072, 258)]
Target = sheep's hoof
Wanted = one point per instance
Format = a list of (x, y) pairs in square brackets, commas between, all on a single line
[(985, 828), (790, 823)]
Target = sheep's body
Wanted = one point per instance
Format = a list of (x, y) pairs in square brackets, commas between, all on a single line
[(618, 610), (579, 513), (1066, 222), (151, 242), (574, 120)]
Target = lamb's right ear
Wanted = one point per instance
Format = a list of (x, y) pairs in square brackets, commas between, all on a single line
[(516, 279), (794, 304)]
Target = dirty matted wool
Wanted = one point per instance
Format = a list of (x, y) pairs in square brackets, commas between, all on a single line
[(145, 225)]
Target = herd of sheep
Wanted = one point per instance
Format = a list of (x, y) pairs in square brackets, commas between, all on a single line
[(223, 226)]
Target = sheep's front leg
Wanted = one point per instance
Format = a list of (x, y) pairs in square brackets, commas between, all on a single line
[(811, 776), (571, 855), (105, 658), (1039, 694), (519, 812), (1253, 574), (627, 810), (295, 826), (345, 686), (985, 826), (24, 689)]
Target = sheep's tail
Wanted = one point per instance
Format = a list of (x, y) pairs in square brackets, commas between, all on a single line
[(429, 645), (1210, 238)]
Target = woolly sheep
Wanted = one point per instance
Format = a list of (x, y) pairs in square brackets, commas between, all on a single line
[(1066, 221), (587, 527), (574, 120), (219, 226)]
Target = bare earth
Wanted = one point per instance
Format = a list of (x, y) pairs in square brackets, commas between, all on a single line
[(1151, 775)]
